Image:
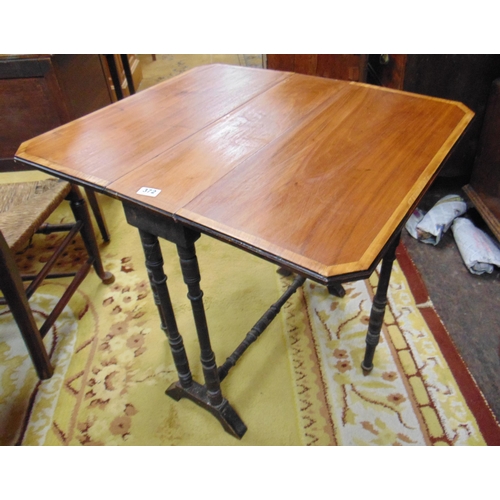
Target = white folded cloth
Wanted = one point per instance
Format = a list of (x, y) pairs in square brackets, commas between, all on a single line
[(429, 227), (479, 252), (412, 222)]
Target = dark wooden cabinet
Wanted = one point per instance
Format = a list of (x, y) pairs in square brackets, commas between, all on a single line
[(484, 187), (41, 92)]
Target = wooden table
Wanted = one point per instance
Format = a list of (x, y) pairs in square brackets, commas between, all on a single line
[(315, 175)]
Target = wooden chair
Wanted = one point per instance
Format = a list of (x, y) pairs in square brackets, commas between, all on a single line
[(24, 207)]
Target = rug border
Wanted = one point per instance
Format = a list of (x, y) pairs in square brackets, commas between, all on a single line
[(486, 420)]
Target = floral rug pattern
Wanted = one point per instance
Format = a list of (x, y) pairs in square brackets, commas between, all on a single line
[(410, 397)]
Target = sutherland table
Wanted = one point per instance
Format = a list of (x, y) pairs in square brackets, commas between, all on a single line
[(315, 175)]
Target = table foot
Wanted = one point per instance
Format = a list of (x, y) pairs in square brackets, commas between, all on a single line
[(366, 369), (336, 289), (282, 271), (224, 412)]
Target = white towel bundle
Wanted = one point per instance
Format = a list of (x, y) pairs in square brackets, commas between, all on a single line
[(429, 227), (479, 252)]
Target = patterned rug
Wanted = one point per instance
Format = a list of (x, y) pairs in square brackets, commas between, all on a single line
[(411, 396), (299, 384)]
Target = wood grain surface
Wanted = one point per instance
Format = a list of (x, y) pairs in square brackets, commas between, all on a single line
[(314, 171), (117, 139)]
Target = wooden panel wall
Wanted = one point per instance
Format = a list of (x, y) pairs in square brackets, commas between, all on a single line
[(351, 67)]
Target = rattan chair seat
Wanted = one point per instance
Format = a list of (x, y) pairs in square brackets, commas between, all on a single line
[(24, 207)]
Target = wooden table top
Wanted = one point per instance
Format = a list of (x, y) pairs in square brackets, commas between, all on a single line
[(313, 171)]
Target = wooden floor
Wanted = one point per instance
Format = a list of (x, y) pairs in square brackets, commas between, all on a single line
[(467, 304)]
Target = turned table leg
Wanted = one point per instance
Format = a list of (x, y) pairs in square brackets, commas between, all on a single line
[(209, 396), (378, 307), (152, 226), (191, 275), (158, 281)]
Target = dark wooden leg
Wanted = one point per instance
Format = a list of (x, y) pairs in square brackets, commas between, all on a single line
[(13, 290), (79, 208), (158, 281), (378, 307), (191, 274), (128, 73), (96, 210), (115, 78), (208, 396)]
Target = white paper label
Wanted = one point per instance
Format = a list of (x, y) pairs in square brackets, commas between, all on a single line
[(145, 191)]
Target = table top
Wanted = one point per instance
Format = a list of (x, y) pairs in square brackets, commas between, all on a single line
[(316, 172)]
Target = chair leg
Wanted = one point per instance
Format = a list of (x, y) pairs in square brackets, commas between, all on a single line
[(79, 208), (96, 209), (13, 290)]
